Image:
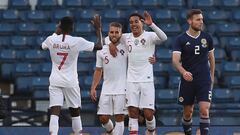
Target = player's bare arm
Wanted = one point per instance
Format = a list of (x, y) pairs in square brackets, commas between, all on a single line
[(96, 79), (113, 49), (176, 58), (211, 59), (148, 21), (96, 22)]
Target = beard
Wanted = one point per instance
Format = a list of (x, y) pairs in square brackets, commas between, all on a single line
[(196, 28), (114, 41)]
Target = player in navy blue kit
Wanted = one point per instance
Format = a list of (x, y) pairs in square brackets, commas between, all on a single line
[(193, 57)]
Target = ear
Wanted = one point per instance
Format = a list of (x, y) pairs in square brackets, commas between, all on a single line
[(189, 21)]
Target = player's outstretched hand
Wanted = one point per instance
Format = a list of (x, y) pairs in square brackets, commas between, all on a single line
[(188, 76), (113, 49), (96, 22), (93, 95), (147, 18), (152, 59)]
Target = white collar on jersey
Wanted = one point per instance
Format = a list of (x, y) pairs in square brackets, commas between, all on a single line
[(193, 36)]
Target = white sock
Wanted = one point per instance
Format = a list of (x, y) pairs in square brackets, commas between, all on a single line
[(77, 125), (151, 125), (133, 126), (119, 128), (53, 125), (108, 126)]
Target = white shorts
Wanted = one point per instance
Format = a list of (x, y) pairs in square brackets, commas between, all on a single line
[(141, 94), (112, 104), (72, 96)]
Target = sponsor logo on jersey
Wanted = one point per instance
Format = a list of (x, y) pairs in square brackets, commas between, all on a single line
[(188, 43)]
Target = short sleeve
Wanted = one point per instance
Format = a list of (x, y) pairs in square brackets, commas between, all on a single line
[(84, 45), (176, 46), (210, 43), (46, 43), (99, 61)]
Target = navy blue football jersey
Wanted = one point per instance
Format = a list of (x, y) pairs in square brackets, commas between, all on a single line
[(194, 54)]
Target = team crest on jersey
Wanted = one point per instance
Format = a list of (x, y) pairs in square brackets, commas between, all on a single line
[(136, 41), (143, 41), (204, 42), (180, 99), (122, 52)]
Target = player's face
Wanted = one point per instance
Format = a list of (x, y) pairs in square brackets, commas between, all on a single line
[(114, 34), (196, 22), (136, 25)]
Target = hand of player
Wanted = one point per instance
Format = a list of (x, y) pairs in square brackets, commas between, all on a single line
[(58, 30), (147, 18), (188, 76), (113, 49), (96, 22), (152, 59), (93, 95)]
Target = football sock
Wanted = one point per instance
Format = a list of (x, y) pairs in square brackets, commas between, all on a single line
[(77, 125), (53, 125), (204, 126)]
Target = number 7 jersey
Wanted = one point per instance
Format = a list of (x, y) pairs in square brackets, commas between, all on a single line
[(64, 56)]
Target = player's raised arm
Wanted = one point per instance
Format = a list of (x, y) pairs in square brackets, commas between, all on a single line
[(98, 27), (148, 21)]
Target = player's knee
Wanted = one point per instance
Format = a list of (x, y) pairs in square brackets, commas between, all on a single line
[(74, 112), (133, 112), (188, 113), (119, 117), (204, 112), (148, 114), (104, 119), (55, 110)]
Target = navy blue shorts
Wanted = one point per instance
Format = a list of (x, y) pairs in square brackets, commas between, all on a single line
[(189, 91)]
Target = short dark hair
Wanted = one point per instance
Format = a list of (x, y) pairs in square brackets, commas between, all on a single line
[(66, 24), (192, 12), (136, 14), (115, 24)]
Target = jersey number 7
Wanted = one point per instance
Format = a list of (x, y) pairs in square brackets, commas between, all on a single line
[(63, 60)]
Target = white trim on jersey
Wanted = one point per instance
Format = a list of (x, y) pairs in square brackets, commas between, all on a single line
[(176, 52), (193, 36), (212, 50)]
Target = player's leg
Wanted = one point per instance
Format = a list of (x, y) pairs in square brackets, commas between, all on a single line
[(107, 123), (119, 110), (204, 95), (56, 101), (132, 94), (147, 102), (105, 110), (186, 98), (73, 101), (187, 119)]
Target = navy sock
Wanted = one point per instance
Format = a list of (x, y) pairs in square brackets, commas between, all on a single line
[(204, 126), (187, 126)]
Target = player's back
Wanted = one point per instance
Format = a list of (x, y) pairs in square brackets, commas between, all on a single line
[(64, 55)]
